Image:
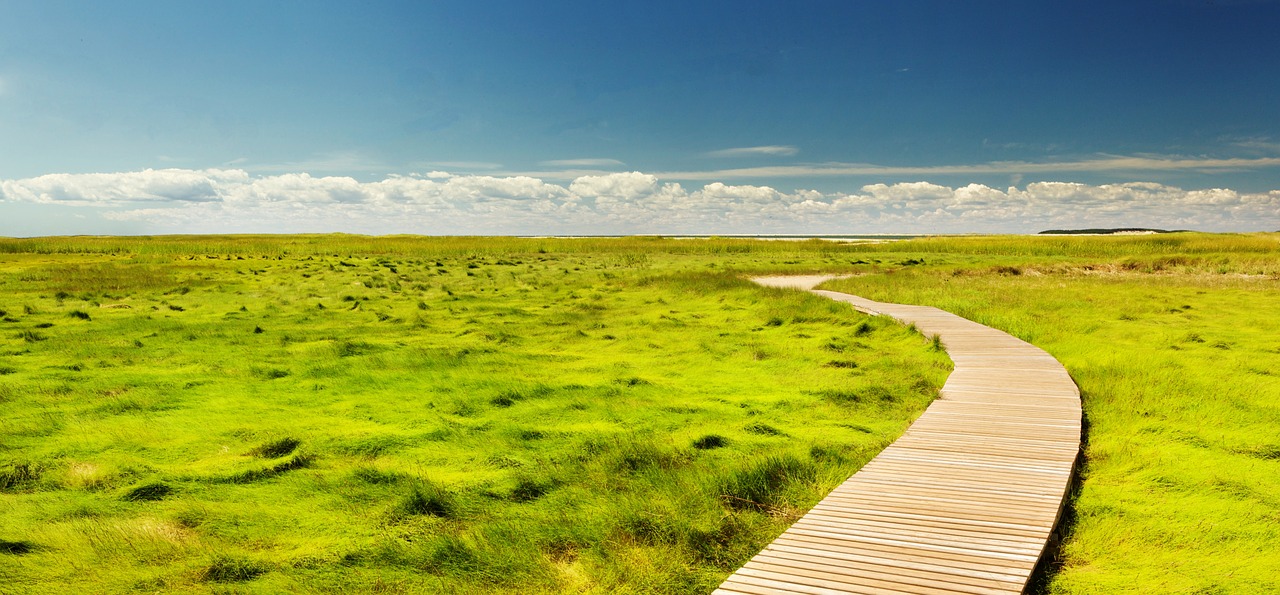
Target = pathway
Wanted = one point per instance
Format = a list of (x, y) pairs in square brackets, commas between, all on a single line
[(964, 501)]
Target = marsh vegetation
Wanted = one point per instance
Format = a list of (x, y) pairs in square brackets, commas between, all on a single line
[(1174, 341), (346, 414), (468, 415)]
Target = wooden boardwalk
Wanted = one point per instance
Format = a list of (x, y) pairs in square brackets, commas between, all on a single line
[(964, 501)]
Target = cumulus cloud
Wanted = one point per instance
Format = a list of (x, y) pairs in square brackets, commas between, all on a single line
[(107, 189), (766, 150), (630, 185), (232, 200)]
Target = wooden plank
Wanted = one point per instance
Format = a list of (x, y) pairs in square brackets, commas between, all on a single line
[(963, 501)]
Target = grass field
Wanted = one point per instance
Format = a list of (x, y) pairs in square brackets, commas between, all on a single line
[(343, 413), (1175, 343), (397, 415)]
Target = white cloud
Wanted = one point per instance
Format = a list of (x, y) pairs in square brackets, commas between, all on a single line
[(593, 162), (110, 189), (232, 200), (767, 150), (631, 185)]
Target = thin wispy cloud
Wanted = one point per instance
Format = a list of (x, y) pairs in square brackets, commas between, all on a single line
[(463, 165), (1259, 145), (600, 162), (336, 162), (1100, 165), (762, 151)]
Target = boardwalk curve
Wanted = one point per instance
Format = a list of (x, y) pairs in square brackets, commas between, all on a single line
[(964, 501)]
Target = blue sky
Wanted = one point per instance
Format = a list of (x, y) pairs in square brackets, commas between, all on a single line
[(654, 117)]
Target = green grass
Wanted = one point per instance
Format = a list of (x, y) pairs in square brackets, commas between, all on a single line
[(1174, 341), (337, 414), (474, 415)]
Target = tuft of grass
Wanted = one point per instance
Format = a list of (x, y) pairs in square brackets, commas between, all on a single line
[(375, 476), (17, 476), (147, 492), (79, 314), (16, 548), (232, 569), (763, 429), (299, 461), (428, 498), (761, 486), (530, 488), (276, 448), (710, 441), (370, 447), (270, 373)]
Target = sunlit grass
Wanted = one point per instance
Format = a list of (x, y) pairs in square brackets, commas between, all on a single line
[(1176, 348), (352, 414)]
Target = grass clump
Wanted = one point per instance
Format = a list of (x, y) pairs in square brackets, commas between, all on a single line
[(232, 569), (276, 448), (17, 476), (299, 461), (147, 492), (429, 499), (16, 548), (761, 486), (763, 429), (529, 488), (710, 441)]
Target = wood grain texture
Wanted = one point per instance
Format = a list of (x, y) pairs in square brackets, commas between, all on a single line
[(964, 501)]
